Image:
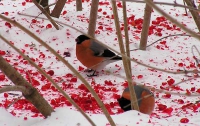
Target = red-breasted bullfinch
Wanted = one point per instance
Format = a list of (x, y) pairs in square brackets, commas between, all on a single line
[(146, 104), (93, 55)]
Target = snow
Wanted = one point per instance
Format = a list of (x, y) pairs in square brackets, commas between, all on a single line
[(169, 56)]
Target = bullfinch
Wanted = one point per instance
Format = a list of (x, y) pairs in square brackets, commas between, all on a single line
[(146, 104), (93, 55)]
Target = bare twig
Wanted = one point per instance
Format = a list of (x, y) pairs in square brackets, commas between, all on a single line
[(195, 58), (195, 14), (165, 3), (185, 8), (126, 34), (13, 102), (46, 14), (22, 89), (162, 39)]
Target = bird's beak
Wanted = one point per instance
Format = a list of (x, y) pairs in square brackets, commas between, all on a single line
[(76, 40)]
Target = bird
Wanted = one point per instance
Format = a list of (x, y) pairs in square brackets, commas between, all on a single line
[(93, 55), (145, 99)]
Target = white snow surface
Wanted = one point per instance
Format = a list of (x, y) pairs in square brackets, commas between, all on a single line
[(178, 51)]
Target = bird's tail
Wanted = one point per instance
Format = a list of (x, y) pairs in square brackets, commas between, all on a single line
[(116, 58)]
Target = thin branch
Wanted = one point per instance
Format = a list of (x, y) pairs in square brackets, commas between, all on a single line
[(126, 34), (50, 5), (161, 39), (162, 90), (166, 3), (192, 50), (22, 89), (13, 102), (185, 8), (46, 14)]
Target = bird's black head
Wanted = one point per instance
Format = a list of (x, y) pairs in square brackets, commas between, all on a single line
[(81, 38)]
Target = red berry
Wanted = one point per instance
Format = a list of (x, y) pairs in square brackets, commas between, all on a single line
[(73, 79), (180, 64), (167, 95), (100, 27), (34, 20), (140, 76), (171, 81), (6, 13), (25, 118), (5, 95), (161, 107), (184, 120), (104, 13), (192, 89), (8, 24), (198, 90), (50, 72), (23, 3), (64, 12), (2, 77), (48, 26), (168, 110)]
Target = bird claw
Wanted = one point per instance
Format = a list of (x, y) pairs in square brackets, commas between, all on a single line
[(92, 75), (88, 70)]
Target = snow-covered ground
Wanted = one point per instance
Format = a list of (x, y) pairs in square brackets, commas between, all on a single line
[(173, 53)]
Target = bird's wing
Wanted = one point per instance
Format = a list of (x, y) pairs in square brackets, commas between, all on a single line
[(100, 50)]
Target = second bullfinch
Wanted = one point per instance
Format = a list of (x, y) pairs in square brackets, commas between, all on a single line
[(145, 97), (93, 55)]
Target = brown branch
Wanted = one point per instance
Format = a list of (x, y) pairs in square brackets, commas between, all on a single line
[(126, 34), (93, 17), (185, 8), (22, 89), (100, 103), (195, 14), (79, 5), (46, 14), (58, 8), (145, 27), (124, 59)]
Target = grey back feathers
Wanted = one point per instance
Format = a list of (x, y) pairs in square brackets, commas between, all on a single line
[(97, 48)]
